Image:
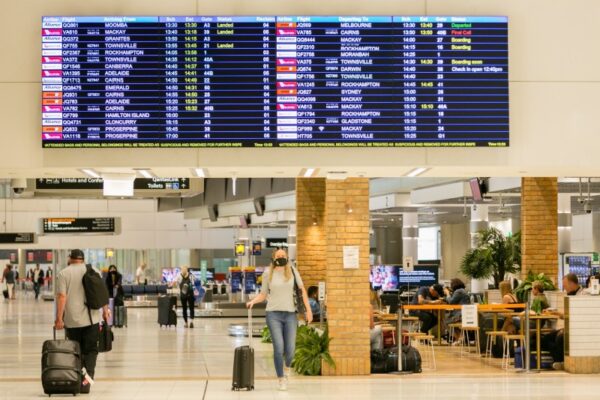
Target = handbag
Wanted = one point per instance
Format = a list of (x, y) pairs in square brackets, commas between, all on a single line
[(298, 296), (105, 338)]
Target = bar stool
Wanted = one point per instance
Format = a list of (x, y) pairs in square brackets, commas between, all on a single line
[(452, 328), (425, 342), (490, 340), (412, 336), (465, 341), (506, 356)]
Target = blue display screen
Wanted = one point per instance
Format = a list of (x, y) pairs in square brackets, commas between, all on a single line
[(274, 81)]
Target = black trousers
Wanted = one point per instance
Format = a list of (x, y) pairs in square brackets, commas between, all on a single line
[(88, 341), (188, 302), (428, 320), (36, 289), (554, 342)]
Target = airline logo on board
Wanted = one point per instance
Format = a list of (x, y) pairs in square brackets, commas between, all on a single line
[(52, 136), (287, 61), (51, 45), (287, 85), (52, 129), (52, 95), (284, 92), (52, 73), (52, 32), (286, 69), (52, 59), (286, 32), (284, 107), (49, 109), (286, 25)]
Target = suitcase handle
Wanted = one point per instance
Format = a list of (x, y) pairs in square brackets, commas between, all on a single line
[(250, 326), (54, 333)]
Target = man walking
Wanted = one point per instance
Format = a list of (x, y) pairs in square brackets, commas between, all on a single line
[(74, 316), (37, 277)]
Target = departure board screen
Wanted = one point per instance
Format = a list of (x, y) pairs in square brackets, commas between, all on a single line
[(78, 225), (267, 81)]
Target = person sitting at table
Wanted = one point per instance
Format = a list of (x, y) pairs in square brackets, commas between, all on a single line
[(313, 300), (427, 295), (456, 294), (554, 342), (507, 294), (376, 333), (537, 291)]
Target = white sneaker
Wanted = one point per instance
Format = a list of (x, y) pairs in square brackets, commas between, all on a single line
[(283, 384)]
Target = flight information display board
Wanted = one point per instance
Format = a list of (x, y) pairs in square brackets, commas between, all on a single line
[(249, 81), (78, 225)]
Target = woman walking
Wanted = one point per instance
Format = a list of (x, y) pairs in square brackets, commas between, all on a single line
[(278, 290)]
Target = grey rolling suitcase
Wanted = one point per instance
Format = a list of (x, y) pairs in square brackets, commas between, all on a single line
[(120, 317), (61, 367), (243, 363)]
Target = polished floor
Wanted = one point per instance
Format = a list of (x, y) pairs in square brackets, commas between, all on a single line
[(152, 363)]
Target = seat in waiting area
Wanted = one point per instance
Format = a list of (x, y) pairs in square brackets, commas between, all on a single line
[(151, 289)]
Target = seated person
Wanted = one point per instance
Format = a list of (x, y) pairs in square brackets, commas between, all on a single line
[(588, 283), (554, 341), (313, 301), (376, 333), (427, 295), (537, 291), (456, 294), (506, 292)]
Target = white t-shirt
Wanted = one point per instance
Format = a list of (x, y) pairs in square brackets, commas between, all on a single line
[(140, 276), (280, 293)]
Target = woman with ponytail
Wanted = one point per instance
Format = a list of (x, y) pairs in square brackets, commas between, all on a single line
[(278, 287)]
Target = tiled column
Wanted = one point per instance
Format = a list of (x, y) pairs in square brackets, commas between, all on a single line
[(348, 306), (539, 226), (311, 246)]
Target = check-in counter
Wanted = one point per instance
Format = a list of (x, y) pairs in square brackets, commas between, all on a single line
[(582, 334)]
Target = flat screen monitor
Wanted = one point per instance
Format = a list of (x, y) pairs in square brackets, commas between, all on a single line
[(384, 277), (274, 81), (420, 276), (169, 275)]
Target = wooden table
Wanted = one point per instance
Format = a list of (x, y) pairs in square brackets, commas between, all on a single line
[(538, 333), (440, 308)]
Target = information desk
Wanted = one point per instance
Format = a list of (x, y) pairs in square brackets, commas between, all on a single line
[(440, 308)]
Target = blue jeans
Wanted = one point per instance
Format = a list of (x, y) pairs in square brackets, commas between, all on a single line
[(282, 325)]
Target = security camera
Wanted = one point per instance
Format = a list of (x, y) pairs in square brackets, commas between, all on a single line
[(18, 185), (587, 207)]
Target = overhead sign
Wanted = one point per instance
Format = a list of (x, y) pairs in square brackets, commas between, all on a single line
[(97, 184), (78, 225), (17, 237), (276, 242)]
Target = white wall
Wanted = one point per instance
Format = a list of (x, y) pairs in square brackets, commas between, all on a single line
[(554, 90), (142, 227)]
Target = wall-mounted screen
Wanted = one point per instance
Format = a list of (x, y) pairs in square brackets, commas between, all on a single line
[(384, 277), (78, 225), (274, 81)]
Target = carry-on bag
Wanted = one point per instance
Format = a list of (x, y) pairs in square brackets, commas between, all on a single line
[(411, 359), (105, 338), (166, 310), (243, 363), (61, 366)]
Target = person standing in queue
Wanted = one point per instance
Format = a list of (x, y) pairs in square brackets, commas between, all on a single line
[(73, 315), (278, 290), (185, 283)]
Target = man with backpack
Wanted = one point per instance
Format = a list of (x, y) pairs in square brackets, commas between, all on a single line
[(186, 282), (81, 292)]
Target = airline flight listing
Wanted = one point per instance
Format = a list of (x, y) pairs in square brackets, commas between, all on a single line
[(266, 81)]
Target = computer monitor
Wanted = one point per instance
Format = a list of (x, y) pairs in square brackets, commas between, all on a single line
[(390, 300)]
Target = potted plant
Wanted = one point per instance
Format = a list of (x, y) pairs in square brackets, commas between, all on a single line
[(494, 255), (525, 286), (312, 349)]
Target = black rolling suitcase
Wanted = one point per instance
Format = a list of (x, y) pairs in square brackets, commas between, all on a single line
[(243, 363), (61, 367), (166, 311)]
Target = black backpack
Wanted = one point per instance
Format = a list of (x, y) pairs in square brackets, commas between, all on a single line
[(186, 289), (96, 293)]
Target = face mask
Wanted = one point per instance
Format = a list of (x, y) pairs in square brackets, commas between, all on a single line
[(280, 262)]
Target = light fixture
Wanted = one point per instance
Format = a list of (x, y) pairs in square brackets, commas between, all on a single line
[(91, 173), (146, 173), (349, 208), (309, 172), (416, 172), (314, 221), (200, 172)]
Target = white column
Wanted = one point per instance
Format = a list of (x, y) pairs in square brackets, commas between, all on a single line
[(291, 239), (479, 220), (410, 236), (565, 222)]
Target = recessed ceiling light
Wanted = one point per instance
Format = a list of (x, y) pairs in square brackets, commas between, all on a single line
[(91, 173), (200, 172), (416, 172), (309, 172), (146, 173)]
